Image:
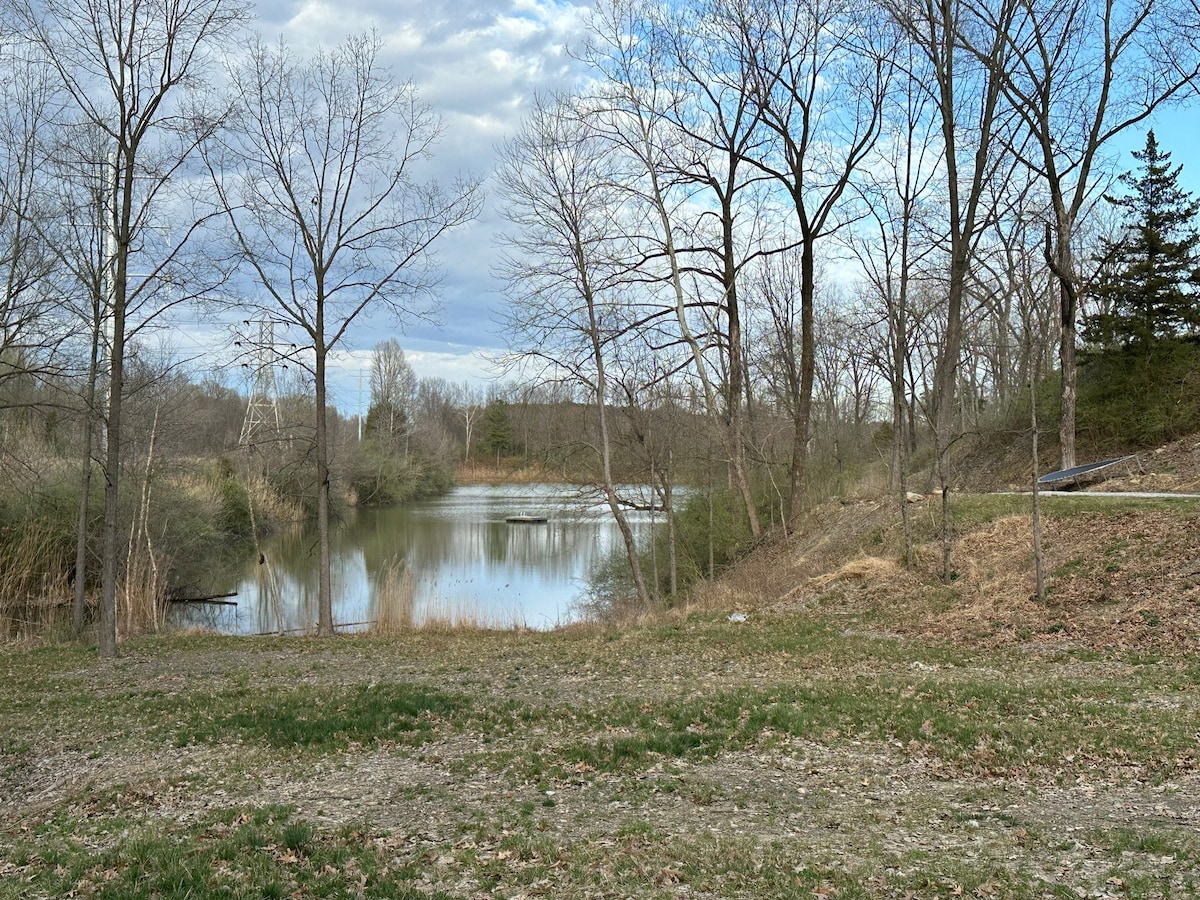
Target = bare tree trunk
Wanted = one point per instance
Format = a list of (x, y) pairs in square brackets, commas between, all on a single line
[(139, 535), (112, 475), (802, 410), (669, 506), (79, 601), (610, 490), (1039, 556), (324, 583), (945, 382), (734, 405), (947, 519), (1068, 365)]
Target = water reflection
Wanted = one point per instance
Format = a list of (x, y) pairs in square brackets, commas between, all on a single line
[(452, 557)]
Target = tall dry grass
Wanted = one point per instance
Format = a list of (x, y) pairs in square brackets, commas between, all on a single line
[(396, 607), (35, 592), (442, 613), (393, 598)]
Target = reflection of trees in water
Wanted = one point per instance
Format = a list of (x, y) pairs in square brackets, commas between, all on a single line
[(214, 617), (394, 563), (292, 562)]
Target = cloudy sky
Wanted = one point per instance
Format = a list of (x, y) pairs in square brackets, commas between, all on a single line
[(477, 63)]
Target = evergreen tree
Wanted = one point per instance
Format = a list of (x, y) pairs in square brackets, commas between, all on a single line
[(1148, 284), (497, 430)]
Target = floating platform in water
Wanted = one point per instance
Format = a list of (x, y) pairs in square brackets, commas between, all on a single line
[(526, 520)]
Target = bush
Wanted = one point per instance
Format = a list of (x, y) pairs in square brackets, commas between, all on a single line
[(611, 594), (379, 477)]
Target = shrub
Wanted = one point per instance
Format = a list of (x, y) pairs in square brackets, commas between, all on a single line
[(379, 477)]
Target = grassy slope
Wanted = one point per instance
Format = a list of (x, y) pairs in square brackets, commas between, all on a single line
[(866, 733)]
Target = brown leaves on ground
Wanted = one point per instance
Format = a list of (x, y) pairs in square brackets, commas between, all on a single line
[(1123, 580)]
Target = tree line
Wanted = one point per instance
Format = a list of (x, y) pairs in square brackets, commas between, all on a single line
[(750, 223)]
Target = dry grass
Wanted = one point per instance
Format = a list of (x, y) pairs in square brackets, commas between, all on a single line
[(1124, 577), (393, 599), (397, 608), (863, 568), (455, 614), (507, 472), (33, 580)]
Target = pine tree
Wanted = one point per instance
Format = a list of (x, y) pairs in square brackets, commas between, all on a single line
[(1149, 281), (497, 430)]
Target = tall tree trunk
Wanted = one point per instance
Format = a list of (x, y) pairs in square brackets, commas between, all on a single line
[(112, 473), (735, 391), (118, 261), (610, 491), (802, 403), (1069, 367), (79, 600), (945, 384), (1039, 557), (324, 584)]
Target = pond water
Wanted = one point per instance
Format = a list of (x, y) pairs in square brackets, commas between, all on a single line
[(454, 558)]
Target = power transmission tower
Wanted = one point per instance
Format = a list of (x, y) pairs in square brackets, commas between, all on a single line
[(262, 409)]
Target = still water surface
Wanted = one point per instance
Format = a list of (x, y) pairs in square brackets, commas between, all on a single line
[(464, 561)]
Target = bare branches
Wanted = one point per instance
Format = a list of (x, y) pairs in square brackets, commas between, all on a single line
[(317, 178)]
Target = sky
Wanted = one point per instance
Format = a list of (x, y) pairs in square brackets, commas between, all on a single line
[(479, 63)]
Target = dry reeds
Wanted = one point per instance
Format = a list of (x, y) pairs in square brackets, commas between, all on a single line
[(439, 613), (396, 607), (33, 580), (393, 598)]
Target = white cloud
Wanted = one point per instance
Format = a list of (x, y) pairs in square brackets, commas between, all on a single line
[(477, 63)]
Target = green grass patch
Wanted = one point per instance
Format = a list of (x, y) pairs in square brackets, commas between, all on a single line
[(989, 726), (241, 853), (321, 717)]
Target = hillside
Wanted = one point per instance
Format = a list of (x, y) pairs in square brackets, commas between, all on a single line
[(1122, 573)]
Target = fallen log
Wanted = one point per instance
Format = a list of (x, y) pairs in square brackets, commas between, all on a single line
[(215, 599)]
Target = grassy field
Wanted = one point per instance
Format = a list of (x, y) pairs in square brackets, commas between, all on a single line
[(794, 755), (866, 732)]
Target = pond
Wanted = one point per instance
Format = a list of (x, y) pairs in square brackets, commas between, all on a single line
[(452, 559)]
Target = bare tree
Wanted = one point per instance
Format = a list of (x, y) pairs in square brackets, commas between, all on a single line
[(128, 69), (684, 125), (393, 389), (30, 329), (565, 267), (319, 180), (897, 239), (77, 232), (819, 75), (962, 89)]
